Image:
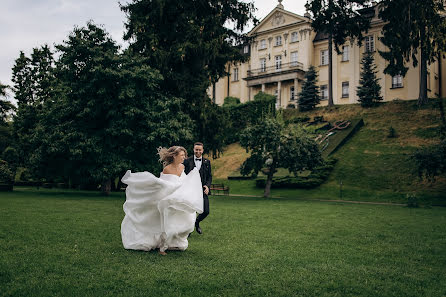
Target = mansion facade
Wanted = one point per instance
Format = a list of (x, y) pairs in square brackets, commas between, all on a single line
[(283, 47)]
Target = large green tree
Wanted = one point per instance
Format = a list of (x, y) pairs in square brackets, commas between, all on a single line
[(273, 145), (188, 42), (414, 31), (340, 20)]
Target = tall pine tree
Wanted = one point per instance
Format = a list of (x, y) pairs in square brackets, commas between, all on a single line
[(309, 96), (369, 90)]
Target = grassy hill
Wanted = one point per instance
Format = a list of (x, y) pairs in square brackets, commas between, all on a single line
[(371, 166)]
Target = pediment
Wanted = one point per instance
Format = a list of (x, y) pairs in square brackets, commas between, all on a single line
[(277, 18)]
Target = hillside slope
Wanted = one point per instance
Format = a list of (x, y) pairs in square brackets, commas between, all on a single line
[(370, 160)]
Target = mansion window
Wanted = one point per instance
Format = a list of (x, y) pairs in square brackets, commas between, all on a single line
[(369, 43), (345, 53), (278, 40), (293, 58), (235, 75), (292, 93), (294, 37), (263, 44), (278, 62), (246, 49), (263, 65), (397, 81), (324, 92), (324, 57), (345, 86)]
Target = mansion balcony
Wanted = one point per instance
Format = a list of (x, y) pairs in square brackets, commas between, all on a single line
[(274, 74)]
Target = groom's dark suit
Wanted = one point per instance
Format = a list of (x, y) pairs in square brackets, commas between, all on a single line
[(206, 180)]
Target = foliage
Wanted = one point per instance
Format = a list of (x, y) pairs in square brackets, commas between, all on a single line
[(33, 77), (249, 113), (309, 96), (341, 21), (317, 176), (6, 174), (6, 107), (430, 161), (11, 156), (273, 145), (369, 89), (107, 114), (392, 132), (190, 44), (214, 122), (412, 200), (230, 101), (33, 80), (413, 31)]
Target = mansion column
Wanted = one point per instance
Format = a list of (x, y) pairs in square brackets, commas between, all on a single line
[(279, 91), (295, 89), (263, 88)]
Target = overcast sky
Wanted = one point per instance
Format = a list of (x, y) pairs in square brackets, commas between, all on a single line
[(26, 24)]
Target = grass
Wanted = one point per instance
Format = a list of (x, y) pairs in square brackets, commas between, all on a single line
[(371, 166), (67, 243)]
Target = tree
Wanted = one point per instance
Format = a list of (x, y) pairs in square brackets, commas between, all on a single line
[(188, 42), (6, 107), (369, 89), (273, 145), (414, 30), (309, 96), (340, 20), (108, 114), (33, 80)]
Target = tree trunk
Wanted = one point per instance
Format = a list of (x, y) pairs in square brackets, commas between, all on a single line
[(269, 180), (422, 97), (330, 64), (330, 71), (106, 187)]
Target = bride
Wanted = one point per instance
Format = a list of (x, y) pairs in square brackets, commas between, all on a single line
[(160, 212)]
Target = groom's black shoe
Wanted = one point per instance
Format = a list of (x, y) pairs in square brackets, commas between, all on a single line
[(197, 227)]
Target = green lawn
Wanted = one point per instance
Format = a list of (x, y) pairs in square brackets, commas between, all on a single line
[(55, 243)]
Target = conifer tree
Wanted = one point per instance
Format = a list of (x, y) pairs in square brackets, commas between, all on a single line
[(309, 97), (369, 90)]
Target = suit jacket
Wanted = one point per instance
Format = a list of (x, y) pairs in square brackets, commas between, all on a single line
[(205, 170)]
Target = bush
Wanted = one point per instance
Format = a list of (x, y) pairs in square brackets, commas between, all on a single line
[(430, 161), (314, 179), (392, 132), (6, 174)]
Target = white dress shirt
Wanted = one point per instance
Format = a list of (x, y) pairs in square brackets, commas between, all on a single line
[(198, 163)]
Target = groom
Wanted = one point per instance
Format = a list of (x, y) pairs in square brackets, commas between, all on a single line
[(204, 167)]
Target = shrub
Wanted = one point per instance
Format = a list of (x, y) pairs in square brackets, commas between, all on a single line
[(430, 161), (392, 133), (6, 174)]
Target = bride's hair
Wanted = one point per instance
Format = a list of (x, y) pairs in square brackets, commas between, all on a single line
[(167, 154)]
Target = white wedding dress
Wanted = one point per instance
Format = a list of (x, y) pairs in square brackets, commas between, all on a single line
[(160, 212)]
